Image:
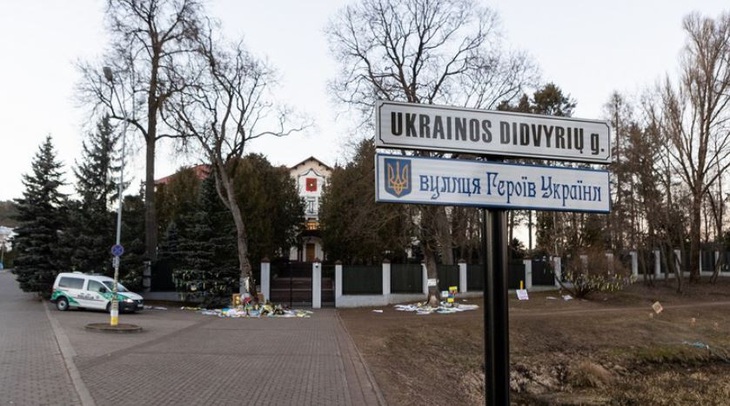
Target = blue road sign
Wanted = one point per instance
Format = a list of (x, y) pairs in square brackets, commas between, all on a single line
[(117, 250)]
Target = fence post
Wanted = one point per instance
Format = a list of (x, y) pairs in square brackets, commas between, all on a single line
[(557, 268), (717, 258), (657, 264), (528, 273), (462, 276), (701, 262), (609, 259), (266, 278), (147, 276), (338, 281), (424, 279), (634, 264), (386, 277), (316, 284), (678, 262)]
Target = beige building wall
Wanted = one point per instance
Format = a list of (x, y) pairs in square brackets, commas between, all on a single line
[(310, 175)]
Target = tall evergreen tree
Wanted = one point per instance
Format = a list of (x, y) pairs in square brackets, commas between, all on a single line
[(553, 229), (133, 226), (202, 245), (355, 228), (91, 224), (177, 197), (200, 239), (40, 214), (270, 206)]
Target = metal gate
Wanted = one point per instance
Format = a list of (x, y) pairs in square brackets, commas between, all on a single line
[(542, 273), (291, 284)]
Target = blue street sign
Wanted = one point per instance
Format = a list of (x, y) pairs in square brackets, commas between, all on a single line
[(117, 250)]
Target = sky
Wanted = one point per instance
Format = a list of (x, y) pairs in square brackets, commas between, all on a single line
[(588, 48)]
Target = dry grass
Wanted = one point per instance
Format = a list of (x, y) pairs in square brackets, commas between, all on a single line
[(613, 349)]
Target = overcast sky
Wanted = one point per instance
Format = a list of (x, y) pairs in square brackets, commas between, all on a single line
[(587, 48)]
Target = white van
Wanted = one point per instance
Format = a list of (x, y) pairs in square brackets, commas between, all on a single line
[(78, 290)]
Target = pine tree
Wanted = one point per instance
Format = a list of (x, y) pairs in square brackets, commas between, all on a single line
[(133, 261), (91, 223), (270, 205), (355, 228), (203, 244), (40, 214)]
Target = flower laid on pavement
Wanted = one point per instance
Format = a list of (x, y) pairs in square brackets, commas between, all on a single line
[(255, 311), (443, 308)]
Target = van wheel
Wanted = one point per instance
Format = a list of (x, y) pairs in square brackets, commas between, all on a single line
[(109, 307), (62, 304)]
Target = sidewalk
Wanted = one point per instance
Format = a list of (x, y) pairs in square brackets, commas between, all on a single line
[(184, 358), (32, 369)]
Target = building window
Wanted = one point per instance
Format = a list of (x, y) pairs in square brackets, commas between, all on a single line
[(312, 225), (311, 206)]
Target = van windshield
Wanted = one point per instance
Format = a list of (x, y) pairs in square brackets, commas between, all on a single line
[(120, 287)]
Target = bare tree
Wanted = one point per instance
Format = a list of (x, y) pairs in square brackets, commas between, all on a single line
[(423, 51), (148, 39), (621, 223), (220, 111), (696, 113), (664, 198)]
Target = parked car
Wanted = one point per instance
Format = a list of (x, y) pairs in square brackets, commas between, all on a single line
[(79, 290)]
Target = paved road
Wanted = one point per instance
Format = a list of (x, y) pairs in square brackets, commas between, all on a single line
[(180, 358), (32, 367)]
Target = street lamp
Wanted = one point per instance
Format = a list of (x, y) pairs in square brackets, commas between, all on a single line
[(117, 248)]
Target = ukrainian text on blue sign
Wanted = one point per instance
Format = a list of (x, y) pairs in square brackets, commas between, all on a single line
[(459, 182)]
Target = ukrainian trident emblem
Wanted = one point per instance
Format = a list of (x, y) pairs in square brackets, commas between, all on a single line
[(397, 176)]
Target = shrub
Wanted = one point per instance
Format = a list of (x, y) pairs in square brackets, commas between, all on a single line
[(592, 271)]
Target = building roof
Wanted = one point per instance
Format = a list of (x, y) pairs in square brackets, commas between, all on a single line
[(311, 158), (201, 172)]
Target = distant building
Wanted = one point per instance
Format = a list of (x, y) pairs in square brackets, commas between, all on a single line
[(201, 172), (310, 176), (6, 234)]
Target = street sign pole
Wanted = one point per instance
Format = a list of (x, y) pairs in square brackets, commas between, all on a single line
[(117, 251), (496, 312), (493, 187)]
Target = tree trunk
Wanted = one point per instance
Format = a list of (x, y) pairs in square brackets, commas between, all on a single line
[(150, 213), (434, 296), (694, 247), (718, 267), (445, 237), (529, 230), (429, 243), (248, 285), (510, 226), (670, 263), (223, 181)]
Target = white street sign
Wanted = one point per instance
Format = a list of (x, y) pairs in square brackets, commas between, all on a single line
[(487, 132), (455, 182)]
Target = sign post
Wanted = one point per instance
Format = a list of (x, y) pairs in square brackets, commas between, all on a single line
[(493, 186), (117, 251), (496, 312)]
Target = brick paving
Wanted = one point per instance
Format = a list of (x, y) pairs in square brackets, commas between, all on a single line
[(32, 367), (185, 358)]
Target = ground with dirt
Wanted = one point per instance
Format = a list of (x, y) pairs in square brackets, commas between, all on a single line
[(613, 349)]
